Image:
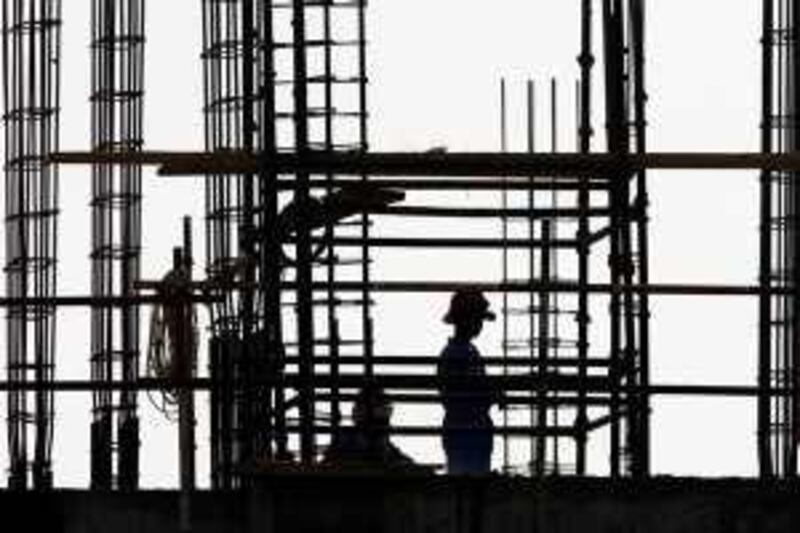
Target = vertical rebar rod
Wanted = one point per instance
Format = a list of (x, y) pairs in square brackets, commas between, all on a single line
[(765, 246), (504, 261), (782, 332), (780, 273), (543, 346), (792, 433), (552, 310), (531, 145)]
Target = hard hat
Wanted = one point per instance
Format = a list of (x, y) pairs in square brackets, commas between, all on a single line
[(466, 304)]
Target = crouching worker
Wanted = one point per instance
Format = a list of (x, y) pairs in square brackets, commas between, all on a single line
[(366, 443)]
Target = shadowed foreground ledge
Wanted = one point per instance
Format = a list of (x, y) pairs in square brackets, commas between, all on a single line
[(411, 504)]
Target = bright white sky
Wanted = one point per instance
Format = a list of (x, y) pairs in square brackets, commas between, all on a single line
[(434, 70)]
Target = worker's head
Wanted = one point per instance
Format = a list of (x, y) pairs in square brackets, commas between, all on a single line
[(372, 408), (468, 309)]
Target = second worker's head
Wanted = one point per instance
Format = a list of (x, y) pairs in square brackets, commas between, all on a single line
[(372, 408)]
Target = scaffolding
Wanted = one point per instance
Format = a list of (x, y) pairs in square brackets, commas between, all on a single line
[(280, 77), (299, 211)]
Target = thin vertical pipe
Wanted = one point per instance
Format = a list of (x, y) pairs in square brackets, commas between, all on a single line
[(504, 261), (543, 346), (552, 235), (778, 273), (531, 145)]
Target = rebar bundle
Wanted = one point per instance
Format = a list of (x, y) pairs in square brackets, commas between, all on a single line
[(779, 346), (117, 121), (31, 49)]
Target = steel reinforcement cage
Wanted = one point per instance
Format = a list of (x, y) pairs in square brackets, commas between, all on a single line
[(31, 50), (117, 122)]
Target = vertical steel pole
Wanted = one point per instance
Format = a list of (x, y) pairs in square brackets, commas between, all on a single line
[(270, 250), (305, 318), (182, 262), (247, 238), (642, 403), (330, 228), (586, 61), (616, 144), (367, 324)]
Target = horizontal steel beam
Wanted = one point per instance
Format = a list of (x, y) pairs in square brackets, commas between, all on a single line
[(436, 431), (407, 382), (439, 242), (660, 289), (443, 183), (478, 212), (418, 360), (96, 301), (521, 401), (435, 164)]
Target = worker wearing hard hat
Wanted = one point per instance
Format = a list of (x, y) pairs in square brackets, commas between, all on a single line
[(466, 394)]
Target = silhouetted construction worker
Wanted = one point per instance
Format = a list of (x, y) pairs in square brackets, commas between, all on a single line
[(466, 395), (366, 443)]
